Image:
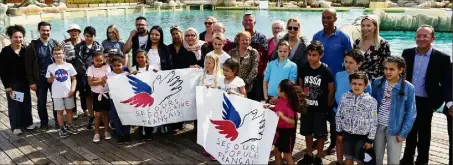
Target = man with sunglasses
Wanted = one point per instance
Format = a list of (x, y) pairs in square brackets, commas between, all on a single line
[(138, 38), (258, 42)]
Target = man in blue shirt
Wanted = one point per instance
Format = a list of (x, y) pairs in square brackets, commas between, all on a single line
[(426, 70), (335, 42), (38, 57)]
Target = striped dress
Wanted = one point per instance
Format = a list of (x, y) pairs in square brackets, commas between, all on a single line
[(384, 109)]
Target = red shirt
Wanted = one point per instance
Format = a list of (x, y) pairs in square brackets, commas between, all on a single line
[(283, 106)]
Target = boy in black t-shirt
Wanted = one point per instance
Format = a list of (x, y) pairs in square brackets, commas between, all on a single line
[(318, 83)]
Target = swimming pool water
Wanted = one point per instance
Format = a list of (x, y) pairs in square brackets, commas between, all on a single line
[(311, 23)]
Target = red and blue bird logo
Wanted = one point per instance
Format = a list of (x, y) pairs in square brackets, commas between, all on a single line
[(142, 91), (231, 120)]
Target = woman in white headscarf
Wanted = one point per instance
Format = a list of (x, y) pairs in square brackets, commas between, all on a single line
[(193, 53)]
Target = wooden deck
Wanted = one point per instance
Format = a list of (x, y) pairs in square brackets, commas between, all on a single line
[(37, 147)]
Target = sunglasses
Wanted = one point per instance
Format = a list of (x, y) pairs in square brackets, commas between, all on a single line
[(208, 23), (293, 28)]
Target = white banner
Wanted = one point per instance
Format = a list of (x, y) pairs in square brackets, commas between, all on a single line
[(234, 129), (153, 99)]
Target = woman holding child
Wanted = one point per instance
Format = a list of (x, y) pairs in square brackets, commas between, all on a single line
[(12, 67), (374, 48)]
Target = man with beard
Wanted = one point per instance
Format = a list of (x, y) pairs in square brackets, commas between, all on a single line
[(69, 45), (258, 42), (37, 58), (426, 69), (138, 38)]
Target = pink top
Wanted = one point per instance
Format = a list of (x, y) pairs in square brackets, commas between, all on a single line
[(98, 73), (271, 46), (283, 106)]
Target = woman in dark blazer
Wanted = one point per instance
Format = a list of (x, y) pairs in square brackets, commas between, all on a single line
[(296, 41), (12, 67), (156, 38)]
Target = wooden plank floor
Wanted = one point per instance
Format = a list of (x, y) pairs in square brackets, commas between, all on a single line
[(38, 147)]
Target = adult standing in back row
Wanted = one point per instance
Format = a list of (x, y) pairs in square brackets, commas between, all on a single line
[(38, 57), (336, 43), (138, 38), (258, 42), (426, 69)]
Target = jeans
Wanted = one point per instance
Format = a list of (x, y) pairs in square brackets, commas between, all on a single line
[(333, 126), (120, 129), (420, 135), (382, 140), (43, 86)]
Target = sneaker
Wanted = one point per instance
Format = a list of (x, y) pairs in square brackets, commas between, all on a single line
[(31, 127), (75, 115), (317, 161), (17, 132), (107, 136), (120, 139), (44, 127), (211, 158), (63, 133), (90, 125), (96, 138), (306, 160), (72, 130)]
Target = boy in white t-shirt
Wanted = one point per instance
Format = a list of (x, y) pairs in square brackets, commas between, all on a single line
[(62, 77), (218, 42)]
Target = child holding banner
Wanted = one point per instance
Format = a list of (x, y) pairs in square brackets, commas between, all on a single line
[(356, 118), (278, 70), (121, 131), (291, 99), (142, 62), (62, 77), (97, 79), (211, 79), (232, 83)]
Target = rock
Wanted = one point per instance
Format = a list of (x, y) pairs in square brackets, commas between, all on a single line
[(401, 2), (423, 1), (428, 4), (354, 32), (149, 2), (347, 2), (172, 3), (444, 24), (325, 4), (410, 4), (32, 10), (157, 4), (365, 3), (301, 4), (290, 5)]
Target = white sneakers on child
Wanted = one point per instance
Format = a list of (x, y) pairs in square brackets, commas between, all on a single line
[(107, 136), (17, 132), (96, 138), (31, 127)]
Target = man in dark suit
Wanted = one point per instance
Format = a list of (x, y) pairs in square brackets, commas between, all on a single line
[(426, 70), (448, 110)]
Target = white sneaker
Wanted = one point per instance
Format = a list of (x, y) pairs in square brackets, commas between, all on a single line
[(17, 132), (75, 115), (96, 138), (31, 127), (107, 136)]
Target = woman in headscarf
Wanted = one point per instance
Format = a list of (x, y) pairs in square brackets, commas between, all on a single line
[(248, 60), (374, 48), (192, 52)]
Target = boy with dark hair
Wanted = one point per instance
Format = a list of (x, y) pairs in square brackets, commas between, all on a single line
[(357, 118), (84, 52), (352, 61), (317, 81)]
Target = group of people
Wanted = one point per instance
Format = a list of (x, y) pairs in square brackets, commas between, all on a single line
[(370, 98)]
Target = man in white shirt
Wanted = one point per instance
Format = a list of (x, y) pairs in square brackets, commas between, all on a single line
[(138, 38)]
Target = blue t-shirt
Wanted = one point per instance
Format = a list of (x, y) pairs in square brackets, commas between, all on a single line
[(334, 48), (113, 45), (275, 73), (342, 86)]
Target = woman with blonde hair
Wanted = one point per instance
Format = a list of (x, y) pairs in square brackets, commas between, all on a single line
[(374, 48), (208, 23), (113, 42), (248, 60), (296, 43)]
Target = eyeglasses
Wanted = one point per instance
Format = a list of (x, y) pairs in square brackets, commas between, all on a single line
[(293, 28), (208, 23), (190, 35)]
